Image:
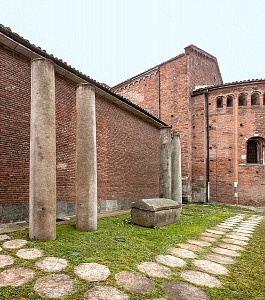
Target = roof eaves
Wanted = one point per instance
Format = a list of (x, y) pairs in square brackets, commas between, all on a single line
[(146, 72), (234, 83), (30, 50)]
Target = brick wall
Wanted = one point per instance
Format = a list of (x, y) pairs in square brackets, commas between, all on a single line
[(227, 135), (178, 77), (128, 147), (128, 154), (14, 126)]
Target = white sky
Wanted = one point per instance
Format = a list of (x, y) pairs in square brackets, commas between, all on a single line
[(113, 40)]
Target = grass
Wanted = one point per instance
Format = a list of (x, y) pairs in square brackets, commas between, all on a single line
[(245, 280)]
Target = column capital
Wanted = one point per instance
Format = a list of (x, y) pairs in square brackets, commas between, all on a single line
[(86, 84)]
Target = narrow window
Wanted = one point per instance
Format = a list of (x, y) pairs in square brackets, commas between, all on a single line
[(255, 99), (255, 150), (219, 102), (264, 99), (242, 100), (229, 101), (252, 152)]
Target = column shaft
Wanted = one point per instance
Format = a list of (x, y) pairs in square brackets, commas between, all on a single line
[(176, 185), (86, 159), (165, 163), (42, 203)]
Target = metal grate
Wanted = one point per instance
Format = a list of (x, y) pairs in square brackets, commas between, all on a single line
[(252, 152)]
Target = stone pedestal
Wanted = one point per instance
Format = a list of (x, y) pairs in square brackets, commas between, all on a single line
[(86, 159), (155, 212), (42, 203)]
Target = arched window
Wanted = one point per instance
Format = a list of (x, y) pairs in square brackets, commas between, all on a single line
[(229, 101), (255, 99), (219, 102), (242, 100), (255, 150)]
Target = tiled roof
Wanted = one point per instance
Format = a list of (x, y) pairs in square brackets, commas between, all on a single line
[(76, 73), (213, 87)]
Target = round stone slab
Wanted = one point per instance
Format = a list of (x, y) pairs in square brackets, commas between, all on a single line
[(184, 291), (221, 228), (210, 234), (210, 267), (30, 253), (201, 278), (105, 293), (218, 232), (14, 244), (191, 247), (16, 276), (55, 286), (225, 252), (92, 271), (230, 246), (240, 234), (219, 258), (135, 282), (155, 270), (248, 228), (207, 238), (199, 243), (238, 237), (183, 253), (51, 264), (235, 242), (6, 260), (171, 261), (4, 237)]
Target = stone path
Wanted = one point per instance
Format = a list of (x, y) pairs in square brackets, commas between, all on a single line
[(218, 247)]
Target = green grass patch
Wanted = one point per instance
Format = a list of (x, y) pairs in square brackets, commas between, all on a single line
[(121, 246)]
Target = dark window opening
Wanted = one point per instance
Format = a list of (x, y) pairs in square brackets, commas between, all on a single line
[(264, 99), (242, 100), (255, 99), (255, 150), (219, 102), (229, 101)]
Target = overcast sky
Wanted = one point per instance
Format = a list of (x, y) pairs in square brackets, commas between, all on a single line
[(113, 40)]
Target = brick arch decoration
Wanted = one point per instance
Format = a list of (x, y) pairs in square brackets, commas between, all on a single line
[(230, 101), (242, 99), (255, 98)]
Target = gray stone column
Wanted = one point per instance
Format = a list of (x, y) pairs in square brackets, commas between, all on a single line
[(176, 184), (86, 159), (165, 163), (42, 203)]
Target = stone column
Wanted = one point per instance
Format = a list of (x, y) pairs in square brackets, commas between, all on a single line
[(42, 202), (86, 159), (165, 163), (176, 185)]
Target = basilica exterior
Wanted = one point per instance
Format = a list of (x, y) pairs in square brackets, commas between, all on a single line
[(220, 126)]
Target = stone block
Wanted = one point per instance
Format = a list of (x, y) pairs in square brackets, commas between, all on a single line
[(156, 212)]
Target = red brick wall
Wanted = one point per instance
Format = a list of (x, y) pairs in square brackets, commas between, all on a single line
[(178, 77), (250, 122), (14, 124), (65, 139), (199, 158), (142, 90), (128, 147), (128, 154), (202, 67)]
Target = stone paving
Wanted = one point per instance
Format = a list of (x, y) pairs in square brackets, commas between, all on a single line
[(219, 247)]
